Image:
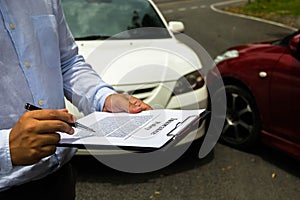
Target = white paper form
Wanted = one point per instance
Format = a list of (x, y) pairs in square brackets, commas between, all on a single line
[(151, 129)]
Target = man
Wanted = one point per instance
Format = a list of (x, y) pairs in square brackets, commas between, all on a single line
[(39, 64)]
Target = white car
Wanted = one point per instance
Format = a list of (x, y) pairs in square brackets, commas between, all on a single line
[(133, 48)]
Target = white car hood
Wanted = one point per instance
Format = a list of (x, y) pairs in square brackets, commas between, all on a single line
[(126, 62)]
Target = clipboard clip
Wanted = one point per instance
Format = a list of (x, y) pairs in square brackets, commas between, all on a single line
[(179, 124), (198, 119)]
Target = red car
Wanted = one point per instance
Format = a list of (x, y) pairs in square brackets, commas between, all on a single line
[(262, 84)]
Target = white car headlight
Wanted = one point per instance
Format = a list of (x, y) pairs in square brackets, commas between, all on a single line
[(226, 55), (188, 83)]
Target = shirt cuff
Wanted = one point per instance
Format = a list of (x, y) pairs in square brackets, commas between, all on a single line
[(5, 161)]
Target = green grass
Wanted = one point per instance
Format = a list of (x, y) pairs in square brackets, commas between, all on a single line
[(283, 11), (278, 7)]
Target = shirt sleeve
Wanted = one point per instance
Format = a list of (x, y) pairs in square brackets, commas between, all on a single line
[(82, 85), (5, 159)]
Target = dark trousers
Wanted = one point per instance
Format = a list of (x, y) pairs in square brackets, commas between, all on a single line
[(57, 186)]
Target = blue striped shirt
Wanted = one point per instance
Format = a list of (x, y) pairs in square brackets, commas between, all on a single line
[(39, 64)]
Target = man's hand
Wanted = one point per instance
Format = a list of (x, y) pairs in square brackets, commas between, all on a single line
[(124, 103), (34, 136)]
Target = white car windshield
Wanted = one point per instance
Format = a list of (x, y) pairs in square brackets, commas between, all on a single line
[(102, 19)]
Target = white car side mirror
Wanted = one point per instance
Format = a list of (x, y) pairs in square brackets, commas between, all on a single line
[(176, 26)]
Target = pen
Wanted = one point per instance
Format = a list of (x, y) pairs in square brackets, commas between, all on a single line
[(31, 107)]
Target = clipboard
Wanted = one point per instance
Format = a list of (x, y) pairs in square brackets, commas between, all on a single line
[(164, 128)]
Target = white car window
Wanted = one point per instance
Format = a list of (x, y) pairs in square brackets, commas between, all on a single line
[(102, 19)]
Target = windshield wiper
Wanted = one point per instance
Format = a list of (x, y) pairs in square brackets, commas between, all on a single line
[(92, 37)]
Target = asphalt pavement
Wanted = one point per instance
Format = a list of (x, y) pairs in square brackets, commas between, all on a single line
[(217, 31), (226, 174)]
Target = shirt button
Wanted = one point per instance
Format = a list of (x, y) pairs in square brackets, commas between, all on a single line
[(41, 102), (27, 64), (11, 26)]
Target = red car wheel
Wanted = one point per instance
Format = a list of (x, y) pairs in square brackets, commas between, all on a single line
[(242, 124)]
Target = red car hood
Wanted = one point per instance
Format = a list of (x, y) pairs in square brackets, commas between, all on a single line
[(266, 47)]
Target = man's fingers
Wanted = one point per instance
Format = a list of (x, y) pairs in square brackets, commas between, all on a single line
[(47, 126), (49, 121), (40, 140), (139, 105), (124, 103), (134, 108), (61, 115), (47, 150), (49, 139)]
